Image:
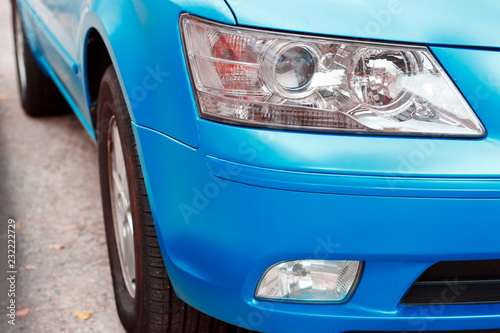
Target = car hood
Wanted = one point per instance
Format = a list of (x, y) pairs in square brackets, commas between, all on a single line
[(441, 22)]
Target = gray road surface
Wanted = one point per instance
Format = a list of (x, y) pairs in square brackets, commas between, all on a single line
[(49, 186)]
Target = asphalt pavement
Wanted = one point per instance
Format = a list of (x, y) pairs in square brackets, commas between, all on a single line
[(49, 189)]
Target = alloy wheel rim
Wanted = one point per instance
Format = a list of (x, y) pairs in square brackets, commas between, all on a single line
[(120, 205)]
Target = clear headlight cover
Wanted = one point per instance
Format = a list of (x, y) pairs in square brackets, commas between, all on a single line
[(258, 78)]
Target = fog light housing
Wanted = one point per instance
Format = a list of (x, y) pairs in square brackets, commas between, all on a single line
[(310, 281)]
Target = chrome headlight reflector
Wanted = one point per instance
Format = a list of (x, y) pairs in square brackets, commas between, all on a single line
[(258, 78)]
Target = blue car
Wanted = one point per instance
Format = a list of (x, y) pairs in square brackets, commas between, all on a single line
[(299, 166)]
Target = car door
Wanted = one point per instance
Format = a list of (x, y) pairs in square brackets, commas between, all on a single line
[(57, 34)]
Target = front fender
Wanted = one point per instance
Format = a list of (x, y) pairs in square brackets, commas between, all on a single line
[(144, 43)]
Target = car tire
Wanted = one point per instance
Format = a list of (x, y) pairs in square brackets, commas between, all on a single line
[(39, 95), (145, 298)]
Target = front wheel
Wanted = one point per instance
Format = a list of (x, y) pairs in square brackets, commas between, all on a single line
[(145, 299)]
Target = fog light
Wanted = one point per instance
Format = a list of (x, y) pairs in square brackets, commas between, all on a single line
[(309, 281)]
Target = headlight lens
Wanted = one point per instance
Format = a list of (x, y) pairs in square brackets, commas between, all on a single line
[(257, 78), (309, 281), (294, 69), (378, 78)]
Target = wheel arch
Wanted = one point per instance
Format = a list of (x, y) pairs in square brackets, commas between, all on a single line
[(95, 57), (96, 60), (143, 41)]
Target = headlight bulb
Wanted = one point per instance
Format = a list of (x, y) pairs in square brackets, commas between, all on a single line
[(381, 78)]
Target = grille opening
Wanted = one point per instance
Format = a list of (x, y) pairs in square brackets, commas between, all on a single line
[(457, 282)]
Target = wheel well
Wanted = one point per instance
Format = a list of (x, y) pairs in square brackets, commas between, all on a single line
[(96, 61)]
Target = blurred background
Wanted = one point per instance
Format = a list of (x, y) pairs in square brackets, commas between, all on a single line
[(49, 185)]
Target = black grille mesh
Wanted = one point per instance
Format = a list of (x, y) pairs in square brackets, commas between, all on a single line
[(457, 282)]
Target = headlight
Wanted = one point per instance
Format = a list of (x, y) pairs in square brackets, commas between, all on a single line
[(257, 78)]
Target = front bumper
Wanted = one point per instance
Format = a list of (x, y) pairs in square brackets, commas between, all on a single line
[(222, 223), (246, 199)]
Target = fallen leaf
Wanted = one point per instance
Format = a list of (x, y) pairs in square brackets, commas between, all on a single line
[(56, 247), (83, 218), (71, 228), (91, 228), (83, 315), (17, 226), (30, 268), (22, 312)]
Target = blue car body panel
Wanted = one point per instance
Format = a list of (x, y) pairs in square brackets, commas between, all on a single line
[(229, 202), (452, 22), (222, 235), (148, 46)]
